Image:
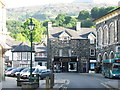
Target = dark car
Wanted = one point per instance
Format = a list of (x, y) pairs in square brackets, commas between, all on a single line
[(44, 73)]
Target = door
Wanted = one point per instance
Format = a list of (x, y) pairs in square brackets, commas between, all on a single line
[(72, 66)]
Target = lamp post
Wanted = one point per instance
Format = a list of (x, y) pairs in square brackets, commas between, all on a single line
[(31, 26)]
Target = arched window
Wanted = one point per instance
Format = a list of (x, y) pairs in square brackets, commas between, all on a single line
[(105, 56), (111, 55), (112, 33), (105, 37), (100, 37), (99, 58)]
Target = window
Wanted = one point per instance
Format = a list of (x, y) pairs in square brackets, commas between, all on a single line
[(69, 51), (100, 37), (65, 39), (29, 56), (92, 52), (19, 56), (24, 55), (92, 41), (112, 33), (105, 30), (60, 52)]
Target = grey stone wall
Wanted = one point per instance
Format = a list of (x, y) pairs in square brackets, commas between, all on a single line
[(79, 48), (109, 47)]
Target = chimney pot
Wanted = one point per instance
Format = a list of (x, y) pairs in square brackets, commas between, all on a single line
[(78, 26)]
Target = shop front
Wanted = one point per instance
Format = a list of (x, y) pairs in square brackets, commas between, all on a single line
[(65, 64)]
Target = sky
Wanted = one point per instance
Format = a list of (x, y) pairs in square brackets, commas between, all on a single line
[(22, 3)]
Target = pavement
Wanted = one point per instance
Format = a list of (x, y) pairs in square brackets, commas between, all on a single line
[(10, 83)]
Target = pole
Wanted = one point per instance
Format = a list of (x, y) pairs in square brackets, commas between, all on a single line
[(31, 58)]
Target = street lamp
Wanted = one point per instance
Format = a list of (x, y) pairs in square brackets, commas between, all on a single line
[(31, 26)]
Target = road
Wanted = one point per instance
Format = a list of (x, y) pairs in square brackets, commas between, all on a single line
[(85, 80)]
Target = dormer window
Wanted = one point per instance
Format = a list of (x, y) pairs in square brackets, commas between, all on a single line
[(64, 39), (92, 41)]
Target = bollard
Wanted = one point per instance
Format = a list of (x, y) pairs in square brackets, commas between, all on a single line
[(51, 80), (18, 77), (47, 83)]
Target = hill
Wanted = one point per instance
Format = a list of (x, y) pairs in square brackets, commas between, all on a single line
[(50, 11)]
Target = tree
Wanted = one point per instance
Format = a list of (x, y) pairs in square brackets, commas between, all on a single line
[(87, 23), (83, 15), (60, 19), (95, 12), (37, 31)]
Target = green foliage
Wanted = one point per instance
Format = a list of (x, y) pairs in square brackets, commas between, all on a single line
[(37, 31), (83, 15), (65, 21), (14, 26), (60, 19), (98, 12), (20, 31), (87, 23)]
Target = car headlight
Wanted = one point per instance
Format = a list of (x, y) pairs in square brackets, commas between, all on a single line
[(113, 74)]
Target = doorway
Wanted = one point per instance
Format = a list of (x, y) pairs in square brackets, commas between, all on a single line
[(72, 66)]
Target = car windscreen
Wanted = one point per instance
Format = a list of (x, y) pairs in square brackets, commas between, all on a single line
[(14, 70), (25, 70)]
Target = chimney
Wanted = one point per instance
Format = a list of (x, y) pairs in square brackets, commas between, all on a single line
[(49, 24), (78, 26)]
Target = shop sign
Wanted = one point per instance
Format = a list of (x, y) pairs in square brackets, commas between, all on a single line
[(64, 59)]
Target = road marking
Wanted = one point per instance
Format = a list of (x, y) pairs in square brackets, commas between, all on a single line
[(105, 85)]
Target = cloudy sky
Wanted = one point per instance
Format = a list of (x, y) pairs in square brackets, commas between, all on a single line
[(21, 3)]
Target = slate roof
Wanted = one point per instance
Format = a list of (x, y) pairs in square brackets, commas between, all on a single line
[(23, 47), (56, 31), (40, 48), (87, 34)]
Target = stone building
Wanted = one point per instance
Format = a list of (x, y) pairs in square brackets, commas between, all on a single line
[(69, 50), (3, 33), (108, 35)]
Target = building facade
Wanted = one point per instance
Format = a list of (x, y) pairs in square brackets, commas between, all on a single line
[(68, 50), (3, 33), (41, 54), (108, 35), (21, 56)]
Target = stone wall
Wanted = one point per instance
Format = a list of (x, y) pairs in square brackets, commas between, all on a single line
[(110, 47), (79, 48)]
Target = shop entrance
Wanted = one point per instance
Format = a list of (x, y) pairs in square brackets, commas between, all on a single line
[(66, 64), (72, 66)]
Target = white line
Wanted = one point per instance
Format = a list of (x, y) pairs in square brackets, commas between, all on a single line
[(105, 85)]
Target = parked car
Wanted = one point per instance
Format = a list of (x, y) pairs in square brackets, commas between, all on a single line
[(23, 71), (7, 71), (13, 71), (27, 73), (44, 73), (19, 70), (35, 70)]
